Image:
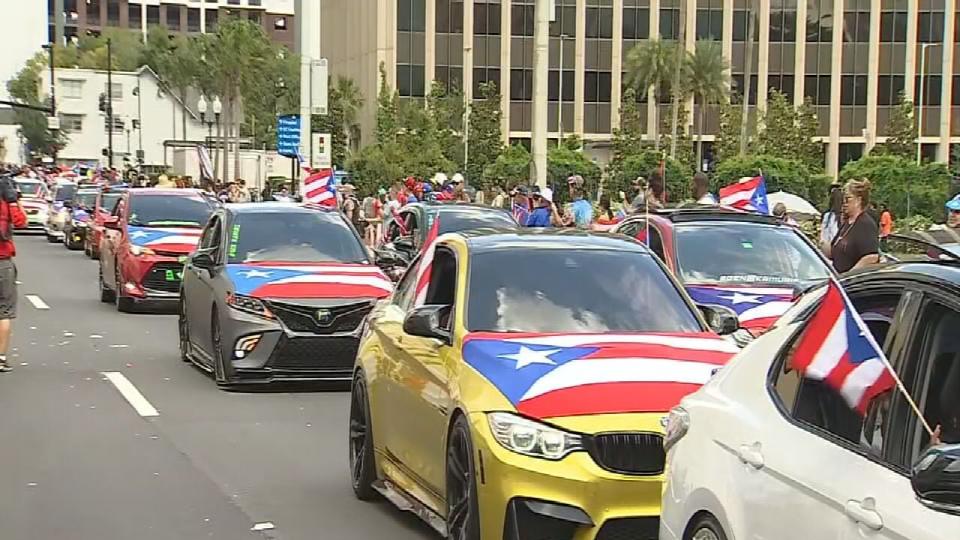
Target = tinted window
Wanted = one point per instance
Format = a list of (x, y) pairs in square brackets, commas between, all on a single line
[(31, 188), (293, 237), (567, 290), (464, 220), (65, 193), (109, 200), (86, 199), (169, 210), (745, 253)]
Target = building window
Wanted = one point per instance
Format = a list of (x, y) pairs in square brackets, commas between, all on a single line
[(193, 20), (599, 23), (669, 23), (710, 25), (889, 88), (93, 12), (741, 21), (569, 86), (153, 15), (233, 2), (71, 123), (566, 22), (212, 17), (521, 85), (255, 3), (280, 23), (450, 77), (856, 27), (782, 83), (853, 90), (931, 89), (118, 125), (849, 152), (449, 17), (113, 12), (116, 93), (956, 90), (738, 87), (893, 27), (173, 18), (133, 15), (70, 88), (483, 75), (486, 19), (596, 87), (411, 15), (820, 21), (410, 80), (522, 20), (783, 23), (636, 23), (930, 27), (817, 88)]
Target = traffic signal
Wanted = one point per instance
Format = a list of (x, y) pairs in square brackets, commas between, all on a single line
[(103, 103), (136, 124)]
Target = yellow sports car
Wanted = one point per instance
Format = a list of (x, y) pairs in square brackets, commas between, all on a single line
[(515, 384)]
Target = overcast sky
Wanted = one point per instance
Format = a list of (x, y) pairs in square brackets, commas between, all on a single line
[(23, 29)]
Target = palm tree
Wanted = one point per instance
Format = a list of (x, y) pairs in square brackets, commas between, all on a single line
[(650, 67), (707, 79), (351, 101)]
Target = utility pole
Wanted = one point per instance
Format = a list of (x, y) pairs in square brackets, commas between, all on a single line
[(109, 103), (308, 41), (747, 79), (58, 22), (53, 90), (541, 76)]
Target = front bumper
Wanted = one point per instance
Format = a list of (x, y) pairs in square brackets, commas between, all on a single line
[(151, 278), (574, 499), (77, 235)]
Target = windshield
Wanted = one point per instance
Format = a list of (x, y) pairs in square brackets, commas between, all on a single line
[(470, 218), (65, 192), (573, 291), (169, 211), (109, 200), (294, 237), (31, 188), (745, 253), (86, 199)]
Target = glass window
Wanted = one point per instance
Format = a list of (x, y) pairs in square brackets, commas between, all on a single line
[(853, 90), (133, 15), (636, 23), (893, 27), (173, 17), (193, 20), (569, 290), (522, 20), (31, 189), (930, 27), (889, 88), (486, 19), (599, 23), (442, 290), (108, 201), (737, 253), (453, 220), (70, 88), (710, 24), (294, 237), (856, 27), (71, 123), (153, 15), (65, 192), (85, 199), (669, 23), (211, 234), (931, 88), (938, 347), (169, 210), (403, 293)]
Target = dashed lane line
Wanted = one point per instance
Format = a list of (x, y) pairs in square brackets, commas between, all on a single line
[(37, 301), (131, 394)]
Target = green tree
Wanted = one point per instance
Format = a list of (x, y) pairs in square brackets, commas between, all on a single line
[(644, 163), (388, 105), (901, 132), (24, 88), (628, 137), (179, 65), (684, 143), (789, 132), (897, 179), (485, 142), (446, 111), (376, 165), (709, 82), (351, 101), (511, 168), (565, 160), (781, 174), (650, 68), (726, 145)]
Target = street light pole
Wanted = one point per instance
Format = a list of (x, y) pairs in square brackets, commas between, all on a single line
[(541, 74), (109, 103), (923, 67), (563, 37), (53, 91)]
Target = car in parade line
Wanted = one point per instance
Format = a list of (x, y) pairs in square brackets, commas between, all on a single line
[(405, 236), (824, 429), (57, 212), (79, 215), (102, 209), (751, 264), (277, 291), (33, 198), (148, 237), (515, 391)]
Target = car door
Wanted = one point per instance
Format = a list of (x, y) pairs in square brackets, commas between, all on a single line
[(200, 296), (804, 445)]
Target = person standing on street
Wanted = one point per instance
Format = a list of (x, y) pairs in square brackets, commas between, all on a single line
[(857, 244), (11, 216), (581, 210), (886, 224), (544, 213), (830, 222), (701, 189)]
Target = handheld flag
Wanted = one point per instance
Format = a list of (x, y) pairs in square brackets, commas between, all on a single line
[(748, 194), (318, 188), (426, 264)]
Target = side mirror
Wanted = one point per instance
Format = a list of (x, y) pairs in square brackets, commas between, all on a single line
[(203, 259), (720, 319), (936, 478), (425, 321), (112, 222)]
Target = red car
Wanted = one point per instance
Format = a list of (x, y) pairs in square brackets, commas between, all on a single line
[(102, 208), (148, 237)]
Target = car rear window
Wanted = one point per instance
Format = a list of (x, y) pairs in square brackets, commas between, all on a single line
[(294, 237), (464, 220)]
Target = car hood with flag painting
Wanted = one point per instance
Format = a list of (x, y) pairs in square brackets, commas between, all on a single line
[(566, 375), (179, 240), (757, 308), (308, 280)]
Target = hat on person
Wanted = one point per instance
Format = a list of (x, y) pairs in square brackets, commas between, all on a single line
[(519, 190), (347, 188), (381, 191), (954, 204), (575, 180), (439, 179), (427, 188), (457, 179), (547, 194)]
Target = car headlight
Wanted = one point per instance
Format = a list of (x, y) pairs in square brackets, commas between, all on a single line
[(531, 438), (140, 250), (249, 304), (676, 426)]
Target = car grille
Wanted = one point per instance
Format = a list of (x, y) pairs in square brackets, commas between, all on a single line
[(315, 353), (645, 528), (343, 318), (157, 278), (629, 453)]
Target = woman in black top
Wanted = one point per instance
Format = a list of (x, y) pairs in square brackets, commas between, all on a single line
[(857, 244)]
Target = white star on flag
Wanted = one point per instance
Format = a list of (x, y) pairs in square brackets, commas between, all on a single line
[(526, 356), (139, 234), (256, 273), (739, 298)]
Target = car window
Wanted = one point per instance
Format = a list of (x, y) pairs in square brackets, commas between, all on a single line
[(403, 294), (65, 192), (629, 228), (211, 236), (108, 201), (118, 208), (86, 199), (454, 219), (442, 290), (561, 289), (169, 210), (307, 237), (819, 407)]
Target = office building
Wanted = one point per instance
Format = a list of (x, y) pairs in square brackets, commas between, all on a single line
[(852, 58)]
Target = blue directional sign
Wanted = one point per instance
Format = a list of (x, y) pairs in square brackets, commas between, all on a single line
[(288, 135)]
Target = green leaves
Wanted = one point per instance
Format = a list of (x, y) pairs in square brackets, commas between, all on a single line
[(901, 132), (789, 132), (893, 177)]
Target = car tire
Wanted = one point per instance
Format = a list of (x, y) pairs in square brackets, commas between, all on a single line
[(52, 239), (219, 371), (106, 295), (183, 325), (363, 468), (705, 527), (463, 509), (125, 304)]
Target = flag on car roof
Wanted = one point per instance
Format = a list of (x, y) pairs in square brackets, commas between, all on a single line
[(748, 194), (838, 349), (426, 264)]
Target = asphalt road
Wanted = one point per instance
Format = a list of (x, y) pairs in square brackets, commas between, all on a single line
[(78, 461)]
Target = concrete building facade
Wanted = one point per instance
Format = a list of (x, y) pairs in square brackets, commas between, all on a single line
[(852, 58)]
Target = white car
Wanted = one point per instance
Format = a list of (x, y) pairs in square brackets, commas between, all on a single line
[(761, 453)]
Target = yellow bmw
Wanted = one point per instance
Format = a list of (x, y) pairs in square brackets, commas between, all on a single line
[(514, 385)]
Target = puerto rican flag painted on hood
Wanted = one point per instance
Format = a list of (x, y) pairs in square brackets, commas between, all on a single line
[(557, 375), (171, 239), (309, 280), (756, 307)]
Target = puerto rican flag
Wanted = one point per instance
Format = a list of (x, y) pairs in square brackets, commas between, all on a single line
[(318, 188), (555, 375), (748, 194), (170, 239), (309, 280), (426, 264), (838, 349), (757, 308)]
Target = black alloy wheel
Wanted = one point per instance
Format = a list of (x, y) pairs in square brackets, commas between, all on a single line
[(463, 511), (362, 465), (124, 303), (183, 325), (106, 295)]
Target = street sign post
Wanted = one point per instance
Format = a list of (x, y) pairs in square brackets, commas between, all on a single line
[(288, 135)]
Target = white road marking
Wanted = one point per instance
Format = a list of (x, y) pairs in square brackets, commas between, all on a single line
[(264, 526), (37, 301), (131, 394)]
